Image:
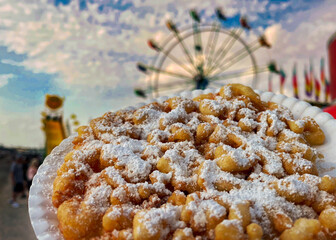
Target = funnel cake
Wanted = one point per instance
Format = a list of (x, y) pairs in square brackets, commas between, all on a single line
[(219, 166)]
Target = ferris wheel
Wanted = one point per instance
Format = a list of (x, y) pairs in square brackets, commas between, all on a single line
[(202, 55)]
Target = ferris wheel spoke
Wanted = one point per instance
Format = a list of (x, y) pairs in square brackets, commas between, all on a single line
[(185, 50), (214, 30), (153, 45), (196, 32), (174, 85), (234, 59), (191, 87), (172, 27), (229, 76), (217, 84), (213, 57), (197, 40), (220, 61), (238, 53), (225, 47), (145, 68), (260, 42), (178, 62), (211, 44), (230, 45), (239, 73)]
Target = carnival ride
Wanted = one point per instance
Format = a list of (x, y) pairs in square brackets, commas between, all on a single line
[(53, 124), (209, 55), (203, 55)]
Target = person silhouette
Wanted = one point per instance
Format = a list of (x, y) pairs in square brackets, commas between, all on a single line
[(16, 172)]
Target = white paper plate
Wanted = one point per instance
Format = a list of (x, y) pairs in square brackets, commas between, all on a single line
[(43, 215)]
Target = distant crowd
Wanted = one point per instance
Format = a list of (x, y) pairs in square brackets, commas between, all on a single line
[(22, 171)]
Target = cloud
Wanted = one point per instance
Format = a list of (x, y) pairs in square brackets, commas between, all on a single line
[(281, 6), (11, 62), (307, 34), (96, 46), (272, 32), (4, 79)]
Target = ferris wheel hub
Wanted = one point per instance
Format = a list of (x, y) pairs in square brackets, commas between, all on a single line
[(201, 81)]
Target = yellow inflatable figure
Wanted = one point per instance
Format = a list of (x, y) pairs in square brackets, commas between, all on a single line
[(52, 119)]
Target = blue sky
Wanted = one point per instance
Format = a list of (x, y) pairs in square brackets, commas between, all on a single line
[(87, 50), (25, 88)]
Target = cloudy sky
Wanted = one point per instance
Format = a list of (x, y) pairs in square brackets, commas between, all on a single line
[(86, 50)]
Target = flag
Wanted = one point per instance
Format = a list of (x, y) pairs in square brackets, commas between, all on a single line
[(327, 90), (295, 84), (317, 89), (325, 83), (322, 73), (282, 80), (311, 78), (308, 85)]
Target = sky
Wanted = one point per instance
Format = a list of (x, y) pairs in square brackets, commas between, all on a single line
[(87, 50)]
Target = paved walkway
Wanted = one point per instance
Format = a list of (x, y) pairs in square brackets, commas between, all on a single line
[(14, 223)]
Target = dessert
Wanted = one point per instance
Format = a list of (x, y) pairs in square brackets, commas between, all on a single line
[(219, 166)]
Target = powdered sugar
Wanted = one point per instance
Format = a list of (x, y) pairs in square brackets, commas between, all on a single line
[(175, 115), (227, 92), (213, 105), (114, 176), (161, 221), (136, 168), (97, 198), (202, 211), (133, 147)]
